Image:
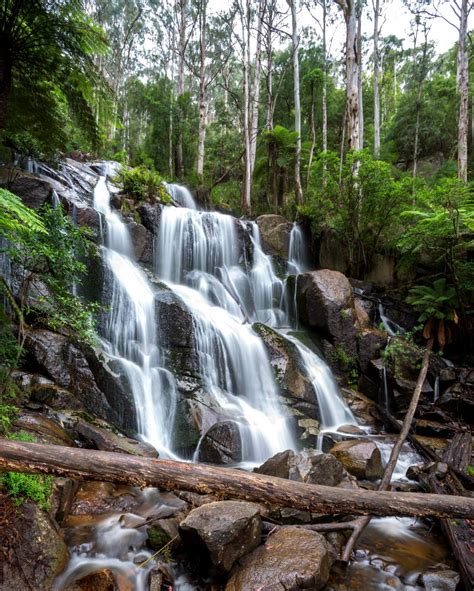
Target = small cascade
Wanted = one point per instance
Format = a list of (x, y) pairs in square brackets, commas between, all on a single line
[(436, 390), (130, 331), (391, 327), (181, 195), (297, 252)]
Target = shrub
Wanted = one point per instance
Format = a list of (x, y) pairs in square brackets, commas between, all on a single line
[(143, 184)]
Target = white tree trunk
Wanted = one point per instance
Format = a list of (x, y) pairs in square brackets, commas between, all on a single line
[(255, 95), (181, 55), (462, 88), (296, 88), (376, 5), (202, 89), (247, 181), (360, 77), (325, 80)]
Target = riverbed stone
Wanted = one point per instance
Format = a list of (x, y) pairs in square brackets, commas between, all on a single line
[(218, 534), (441, 580), (103, 438), (275, 234), (290, 560), (361, 458)]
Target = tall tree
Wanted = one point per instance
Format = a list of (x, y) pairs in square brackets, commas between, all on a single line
[(202, 20), (349, 9), (376, 57), (296, 90)]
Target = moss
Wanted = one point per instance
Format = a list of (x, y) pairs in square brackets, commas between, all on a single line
[(157, 538)]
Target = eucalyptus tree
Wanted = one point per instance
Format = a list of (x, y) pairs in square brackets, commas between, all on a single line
[(377, 11)]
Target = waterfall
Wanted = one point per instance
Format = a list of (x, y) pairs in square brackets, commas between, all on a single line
[(198, 254), (181, 195), (130, 331), (297, 252)]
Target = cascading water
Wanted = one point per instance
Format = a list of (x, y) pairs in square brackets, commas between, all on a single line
[(198, 256), (181, 195), (297, 253), (130, 331), (202, 257)]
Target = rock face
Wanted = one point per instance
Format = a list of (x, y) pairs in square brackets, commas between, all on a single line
[(297, 391), (142, 242), (275, 233), (220, 533), (221, 444), (33, 191), (291, 559), (359, 457), (325, 303), (39, 553), (84, 374)]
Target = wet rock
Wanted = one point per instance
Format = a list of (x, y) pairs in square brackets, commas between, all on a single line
[(441, 580), (95, 498), (290, 374), (433, 428), (106, 440), (34, 191), (55, 397), (290, 560), (221, 533), (38, 551), (46, 430), (150, 216), (360, 458), (142, 242), (275, 233), (222, 444), (58, 357), (325, 303), (370, 344), (307, 466), (458, 399), (361, 315), (102, 580), (64, 490)]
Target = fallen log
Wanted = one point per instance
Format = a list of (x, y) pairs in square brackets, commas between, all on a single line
[(82, 464)]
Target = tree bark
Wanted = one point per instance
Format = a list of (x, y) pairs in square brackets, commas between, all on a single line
[(349, 8), (296, 90), (181, 55), (325, 80), (245, 17), (255, 95), (463, 91), (376, 6), (82, 464), (360, 76), (202, 89)]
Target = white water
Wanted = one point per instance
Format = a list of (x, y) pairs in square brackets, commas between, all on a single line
[(181, 195), (297, 254), (130, 331)]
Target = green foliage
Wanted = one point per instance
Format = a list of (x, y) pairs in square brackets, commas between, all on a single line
[(361, 199), (22, 487), (16, 218), (438, 300), (52, 258), (143, 183), (470, 471), (402, 356)]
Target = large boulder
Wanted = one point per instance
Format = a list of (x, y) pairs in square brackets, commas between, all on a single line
[(290, 560), (307, 466), (33, 553), (275, 234), (295, 388), (361, 458), (142, 242), (220, 533), (326, 304), (221, 444), (103, 438)]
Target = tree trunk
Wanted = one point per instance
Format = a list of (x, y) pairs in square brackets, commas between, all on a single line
[(360, 77), (181, 55), (86, 464), (296, 89), (352, 73), (462, 88), (376, 6), (255, 95), (313, 133), (269, 77), (419, 96), (325, 81), (247, 180), (5, 85), (202, 89)]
